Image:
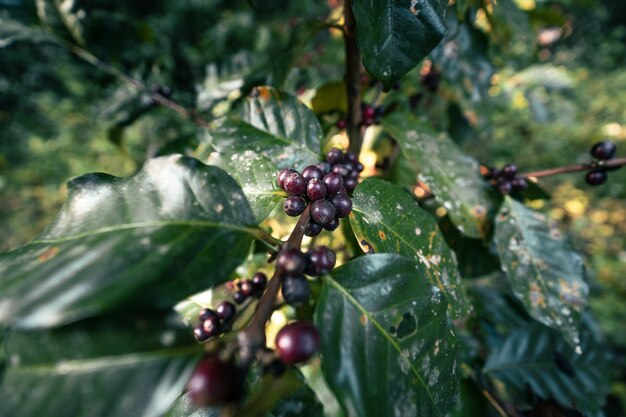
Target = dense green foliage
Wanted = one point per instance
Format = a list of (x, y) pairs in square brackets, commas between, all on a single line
[(449, 299)]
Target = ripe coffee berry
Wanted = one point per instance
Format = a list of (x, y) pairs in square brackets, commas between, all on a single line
[(297, 342), (596, 177), (206, 313), (315, 189), (200, 334), (324, 167), (369, 112), (313, 229), (509, 171), (248, 289), (311, 172), (259, 280), (350, 184), (320, 261), (214, 382), (334, 156), (333, 182), (296, 289), (322, 211), (294, 206), (291, 261), (295, 184), (342, 169), (604, 150), (226, 311), (341, 123), (239, 297), (519, 184), (343, 205), (280, 179), (332, 225), (505, 187), (212, 326)]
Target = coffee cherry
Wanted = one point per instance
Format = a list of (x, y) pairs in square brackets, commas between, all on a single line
[(332, 225), (604, 150), (226, 311), (214, 382), (259, 280), (200, 334), (324, 167), (206, 313), (350, 184), (297, 342), (359, 167), (311, 172), (351, 157), (334, 156), (341, 124), (280, 178), (239, 297), (211, 326), (296, 289), (320, 261), (369, 112), (322, 211), (315, 189), (248, 289), (291, 261), (596, 177), (342, 169), (295, 184), (294, 206), (313, 229), (509, 171), (519, 184), (343, 205), (333, 182), (505, 187)]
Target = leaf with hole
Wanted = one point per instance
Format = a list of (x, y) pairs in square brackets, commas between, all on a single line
[(453, 177), (545, 273), (387, 219), (144, 242), (387, 347)]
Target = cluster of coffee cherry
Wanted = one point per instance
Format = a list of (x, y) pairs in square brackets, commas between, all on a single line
[(601, 151), (325, 187), (370, 115), (293, 264), (253, 287), (214, 322), (506, 180)]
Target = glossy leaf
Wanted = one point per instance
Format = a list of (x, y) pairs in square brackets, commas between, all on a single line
[(387, 219), (256, 176), (172, 229), (387, 348), (274, 124), (537, 357), (114, 367), (545, 273), (453, 177), (394, 36)]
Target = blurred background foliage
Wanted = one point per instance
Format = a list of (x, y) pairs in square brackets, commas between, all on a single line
[(533, 82)]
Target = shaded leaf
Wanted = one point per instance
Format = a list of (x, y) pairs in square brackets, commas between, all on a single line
[(274, 124), (329, 97), (389, 220), (452, 176), (535, 356), (256, 176), (387, 347), (12, 32), (173, 229), (545, 273), (114, 367), (394, 36)]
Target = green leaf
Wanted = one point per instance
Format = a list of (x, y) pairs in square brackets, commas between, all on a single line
[(173, 229), (545, 273), (387, 348), (329, 97), (386, 219), (12, 31), (274, 124), (114, 367), (394, 36), (537, 357), (256, 176), (452, 176)]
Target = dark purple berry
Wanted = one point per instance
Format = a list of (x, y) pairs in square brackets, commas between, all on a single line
[(206, 313), (315, 189), (519, 184), (353, 174), (341, 123), (342, 169), (320, 260), (295, 184), (351, 157), (343, 205), (333, 182), (259, 280), (359, 167), (322, 212), (509, 171), (294, 206), (239, 297), (332, 225), (291, 261), (226, 311), (297, 342), (369, 112), (280, 178), (296, 289), (248, 289), (603, 150), (311, 172), (596, 177), (505, 187), (200, 334), (211, 326), (214, 382), (350, 184), (324, 167), (312, 228), (334, 156)]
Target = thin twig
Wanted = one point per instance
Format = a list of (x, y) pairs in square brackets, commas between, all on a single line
[(352, 79), (575, 168)]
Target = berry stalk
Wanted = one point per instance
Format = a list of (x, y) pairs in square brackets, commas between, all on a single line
[(617, 162)]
